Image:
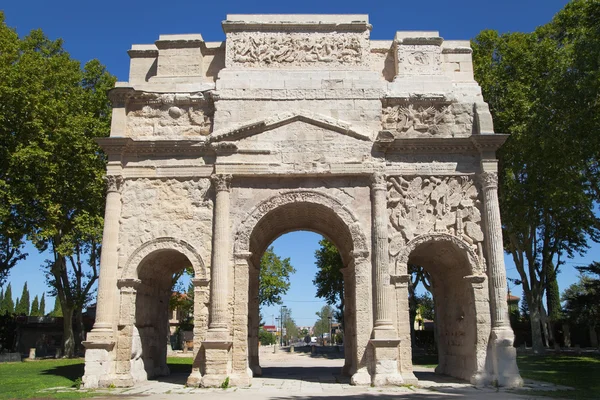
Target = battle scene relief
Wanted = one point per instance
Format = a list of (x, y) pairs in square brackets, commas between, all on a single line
[(421, 205), (277, 49), (444, 120)]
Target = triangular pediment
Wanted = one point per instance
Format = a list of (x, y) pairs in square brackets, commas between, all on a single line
[(254, 127)]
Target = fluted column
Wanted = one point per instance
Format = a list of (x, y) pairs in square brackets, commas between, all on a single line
[(495, 251), (220, 253), (109, 259), (383, 318), (504, 356)]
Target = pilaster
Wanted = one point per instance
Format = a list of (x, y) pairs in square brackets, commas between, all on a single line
[(201, 300)]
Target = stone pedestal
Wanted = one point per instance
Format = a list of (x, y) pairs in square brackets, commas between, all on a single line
[(218, 362)]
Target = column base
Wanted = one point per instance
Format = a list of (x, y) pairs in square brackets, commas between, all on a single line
[(195, 378), (218, 363), (361, 377), (386, 362), (506, 372), (256, 370), (99, 362), (410, 378)]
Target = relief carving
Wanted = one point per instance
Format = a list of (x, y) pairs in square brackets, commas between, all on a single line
[(168, 115), (418, 206), (429, 120), (277, 50), (419, 60)]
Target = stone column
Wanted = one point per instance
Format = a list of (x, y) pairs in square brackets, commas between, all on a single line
[(401, 283), (505, 371), (385, 339), (349, 367), (220, 254), (253, 324), (99, 365), (242, 375), (363, 319), (383, 317), (126, 357), (218, 344), (107, 282), (201, 300)]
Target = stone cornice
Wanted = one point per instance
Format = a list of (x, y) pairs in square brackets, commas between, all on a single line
[(290, 26), (387, 142), (120, 96)]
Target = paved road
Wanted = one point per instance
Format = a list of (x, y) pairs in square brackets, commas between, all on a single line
[(301, 377)]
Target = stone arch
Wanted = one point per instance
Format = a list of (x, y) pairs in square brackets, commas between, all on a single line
[(461, 298), (474, 261), (131, 269), (302, 210), (250, 220)]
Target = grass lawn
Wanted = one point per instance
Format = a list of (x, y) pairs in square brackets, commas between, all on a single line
[(26, 379), (580, 372)]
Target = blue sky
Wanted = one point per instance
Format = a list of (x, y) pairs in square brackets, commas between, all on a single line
[(106, 30)]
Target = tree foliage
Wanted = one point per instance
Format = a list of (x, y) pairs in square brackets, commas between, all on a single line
[(7, 306), (35, 307), (322, 324), (582, 299), (274, 280), (51, 170), (543, 89), (42, 309), (329, 280), (22, 306)]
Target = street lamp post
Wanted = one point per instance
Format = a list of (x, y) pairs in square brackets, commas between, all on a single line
[(283, 310), (278, 326)]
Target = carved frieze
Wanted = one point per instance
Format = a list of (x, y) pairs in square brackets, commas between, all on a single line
[(166, 115), (419, 59), (295, 49), (419, 205), (436, 119)]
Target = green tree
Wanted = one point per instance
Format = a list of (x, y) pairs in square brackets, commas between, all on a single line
[(291, 329), (42, 310), (425, 306), (266, 338), (544, 93), (274, 279), (329, 280), (1, 299), (35, 307), (582, 300), (7, 306), (322, 323), (51, 109), (22, 306)]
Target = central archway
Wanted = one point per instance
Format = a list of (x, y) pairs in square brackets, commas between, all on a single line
[(309, 211)]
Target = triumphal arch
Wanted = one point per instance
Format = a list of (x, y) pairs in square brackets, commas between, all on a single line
[(301, 122)]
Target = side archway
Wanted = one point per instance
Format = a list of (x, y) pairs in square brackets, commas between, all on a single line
[(461, 301)]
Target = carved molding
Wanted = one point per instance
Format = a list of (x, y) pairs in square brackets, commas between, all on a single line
[(131, 268), (489, 180), (475, 262), (114, 183), (249, 221), (222, 182)]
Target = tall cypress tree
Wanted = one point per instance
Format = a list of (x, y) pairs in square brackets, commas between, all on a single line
[(35, 307), (7, 307), (43, 305), (1, 299), (22, 307)]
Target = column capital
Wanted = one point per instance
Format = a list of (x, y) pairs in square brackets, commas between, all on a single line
[(200, 282), (378, 181), (132, 284), (242, 255), (489, 180), (222, 182), (114, 183)]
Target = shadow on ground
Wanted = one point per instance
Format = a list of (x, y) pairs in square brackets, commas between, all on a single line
[(72, 372)]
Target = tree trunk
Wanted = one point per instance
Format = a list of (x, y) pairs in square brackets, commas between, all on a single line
[(593, 337), (68, 342), (79, 330), (536, 327)]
